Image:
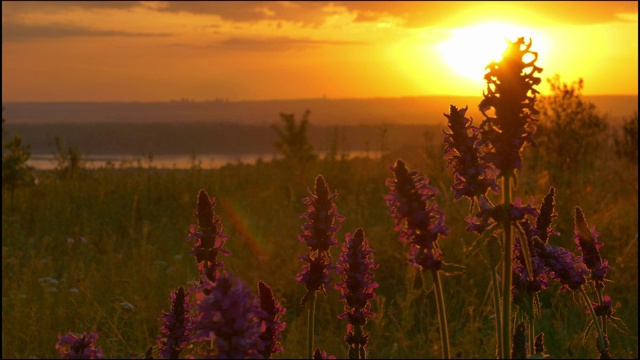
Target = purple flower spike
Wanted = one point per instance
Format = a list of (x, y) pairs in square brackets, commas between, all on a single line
[(207, 237), (230, 316), (563, 265), (74, 347), (518, 211), (587, 239), (604, 309), (321, 354), (546, 214), (416, 217), (511, 95), (523, 288), (315, 274), (354, 266), (273, 311), (464, 152), (177, 326), (320, 229)]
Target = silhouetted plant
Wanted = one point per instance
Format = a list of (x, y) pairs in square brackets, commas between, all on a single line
[(177, 326), (293, 141), (272, 312), (420, 224), (318, 235), (354, 266), (15, 171), (627, 142), (79, 347), (68, 162), (571, 131)]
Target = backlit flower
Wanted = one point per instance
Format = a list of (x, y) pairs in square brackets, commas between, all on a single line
[(177, 326), (272, 312), (586, 238), (356, 288), (416, 217), (71, 346), (511, 95), (464, 152), (229, 316), (207, 237), (320, 229)]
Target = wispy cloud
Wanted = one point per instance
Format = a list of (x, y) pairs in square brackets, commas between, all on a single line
[(14, 31), (270, 44)]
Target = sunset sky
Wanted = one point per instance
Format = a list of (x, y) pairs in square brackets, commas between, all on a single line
[(160, 51)]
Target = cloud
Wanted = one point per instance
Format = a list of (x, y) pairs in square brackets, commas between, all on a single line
[(252, 11), (273, 44), (14, 31)]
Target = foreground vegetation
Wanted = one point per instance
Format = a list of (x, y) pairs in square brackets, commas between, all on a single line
[(76, 249)]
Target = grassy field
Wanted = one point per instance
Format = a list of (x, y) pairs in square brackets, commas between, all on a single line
[(75, 249)]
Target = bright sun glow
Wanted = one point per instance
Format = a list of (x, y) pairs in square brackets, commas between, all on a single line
[(469, 50)]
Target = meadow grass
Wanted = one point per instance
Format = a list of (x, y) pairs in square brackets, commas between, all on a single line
[(135, 222)]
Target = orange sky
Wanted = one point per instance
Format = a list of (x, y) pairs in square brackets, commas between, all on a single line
[(159, 51)]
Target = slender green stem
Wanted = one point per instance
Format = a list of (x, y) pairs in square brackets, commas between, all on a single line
[(599, 291), (496, 305), (507, 272), (596, 323), (532, 334), (442, 316), (312, 315)]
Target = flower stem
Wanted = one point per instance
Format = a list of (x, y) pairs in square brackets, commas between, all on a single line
[(596, 322), (532, 334), (442, 316), (599, 291), (496, 305), (507, 271), (312, 315)]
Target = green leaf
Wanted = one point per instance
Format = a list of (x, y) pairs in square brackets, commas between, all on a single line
[(427, 282), (450, 269), (586, 332), (619, 325), (524, 245), (480, 240), (492, 252)]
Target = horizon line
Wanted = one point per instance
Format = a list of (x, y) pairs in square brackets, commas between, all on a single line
[(224, 100)]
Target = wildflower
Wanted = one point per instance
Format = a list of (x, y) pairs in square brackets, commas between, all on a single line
[(321, 354), (320, 229), (587, 239), (207, 237), (604, 309), (229, 318), (563, 265), (489, 214), (464, 152), (177, 326), (546, 215), (354, 266), (484, 219), (418, 220), (74, 347), (315, 274), (511, 94), (273, 311), (524, 288)]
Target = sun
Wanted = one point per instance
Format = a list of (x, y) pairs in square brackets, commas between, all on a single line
[(470, 49)]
